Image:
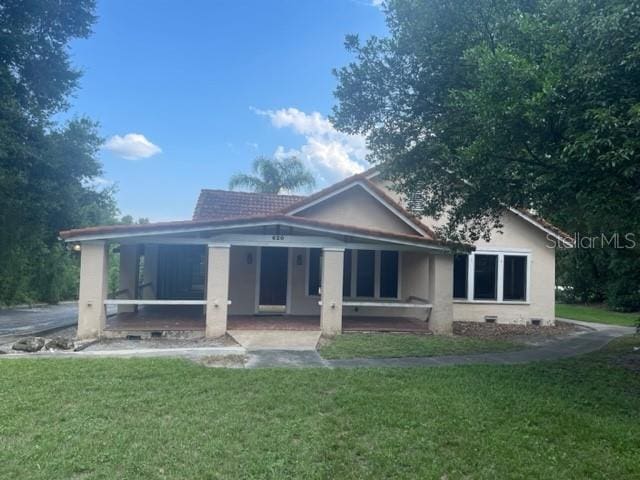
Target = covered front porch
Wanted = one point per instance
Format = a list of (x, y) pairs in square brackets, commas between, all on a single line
[(265, 277), (168, 320)]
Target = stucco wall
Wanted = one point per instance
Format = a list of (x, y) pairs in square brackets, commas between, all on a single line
[(242, 280), (516, 234), (358, 208), (519, 234)]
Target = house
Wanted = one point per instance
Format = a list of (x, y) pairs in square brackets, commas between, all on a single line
[(348, 257)]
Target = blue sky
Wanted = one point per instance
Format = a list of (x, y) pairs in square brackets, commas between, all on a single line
[(187, 93)]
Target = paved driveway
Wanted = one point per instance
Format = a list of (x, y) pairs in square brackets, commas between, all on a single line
[(15, 322)]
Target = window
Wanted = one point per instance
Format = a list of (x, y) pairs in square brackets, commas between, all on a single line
[(388, 274), (346, 274), (375, 274), (460, 275), (485, 277), (491, 276), (365, 273), (515, 277), (314, 271)]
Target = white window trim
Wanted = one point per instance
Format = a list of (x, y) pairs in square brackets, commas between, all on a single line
[(354, 282), (500, 253)]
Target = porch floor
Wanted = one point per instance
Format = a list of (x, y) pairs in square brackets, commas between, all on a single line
[(188, 318)]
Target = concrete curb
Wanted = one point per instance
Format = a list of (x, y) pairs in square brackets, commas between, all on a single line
[(132, 353)]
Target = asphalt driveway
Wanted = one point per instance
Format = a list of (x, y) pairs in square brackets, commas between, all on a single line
[(21, 321)]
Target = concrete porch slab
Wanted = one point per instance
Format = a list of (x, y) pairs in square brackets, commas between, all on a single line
[(276, 339)]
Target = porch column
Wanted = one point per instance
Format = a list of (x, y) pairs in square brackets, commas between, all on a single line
[(94, 268), (441, 293), (217, 290), (128, 276), (331, 311)]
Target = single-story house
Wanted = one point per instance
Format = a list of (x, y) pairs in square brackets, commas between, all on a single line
[(350, 256)]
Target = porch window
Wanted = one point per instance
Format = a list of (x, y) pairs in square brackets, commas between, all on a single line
[(388, 274), (346, 274), (485, 277), (460, 276), (515, 277), (315, 272), (365, 274)]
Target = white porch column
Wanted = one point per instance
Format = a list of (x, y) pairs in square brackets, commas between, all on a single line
[(128, 276), (217, 290), (94, 268), (331, 311), (441, 293)]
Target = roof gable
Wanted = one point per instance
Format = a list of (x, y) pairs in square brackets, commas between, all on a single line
[(337, 205)]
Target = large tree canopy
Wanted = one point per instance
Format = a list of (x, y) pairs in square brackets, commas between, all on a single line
[(46, 170), (482, 104)]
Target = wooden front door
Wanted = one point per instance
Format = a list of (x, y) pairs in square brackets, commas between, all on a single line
[(273, 276)]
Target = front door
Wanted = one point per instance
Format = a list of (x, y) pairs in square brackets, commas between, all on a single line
[(273, 278)]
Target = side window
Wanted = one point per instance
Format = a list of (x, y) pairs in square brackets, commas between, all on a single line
[(460, 276), (515, 277), (485, 277)]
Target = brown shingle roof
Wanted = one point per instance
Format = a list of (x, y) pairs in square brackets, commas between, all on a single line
[(218, 204)]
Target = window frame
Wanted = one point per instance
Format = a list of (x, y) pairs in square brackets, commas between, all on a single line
[(354, 276), (500, 253)]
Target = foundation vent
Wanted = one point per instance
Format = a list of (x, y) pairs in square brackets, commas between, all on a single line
[(490, 318), (536, 322)]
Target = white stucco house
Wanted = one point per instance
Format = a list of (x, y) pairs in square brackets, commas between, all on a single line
[(349, 257)]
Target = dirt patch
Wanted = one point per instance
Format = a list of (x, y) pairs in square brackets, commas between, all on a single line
[(499, 330), (162, 342), (223, 361)]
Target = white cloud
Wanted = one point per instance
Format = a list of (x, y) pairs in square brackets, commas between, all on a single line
[(132, 146), (326, 151), (97, 183)]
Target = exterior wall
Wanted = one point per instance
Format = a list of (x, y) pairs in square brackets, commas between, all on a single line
[(358, 208), (516, 233), (301, 303), (243, 280)]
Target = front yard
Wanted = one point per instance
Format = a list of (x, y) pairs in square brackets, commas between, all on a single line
[(596, 313), (160, 418)]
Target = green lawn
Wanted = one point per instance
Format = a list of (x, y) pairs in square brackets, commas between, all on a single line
[(162, 418), (596, 313), (359, 345)]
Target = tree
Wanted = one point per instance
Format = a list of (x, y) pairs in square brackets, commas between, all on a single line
[(46, 169), (487, 104), (274, 176)]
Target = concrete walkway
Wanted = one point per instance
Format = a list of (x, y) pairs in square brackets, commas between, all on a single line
[(300, 340), (599, 336)]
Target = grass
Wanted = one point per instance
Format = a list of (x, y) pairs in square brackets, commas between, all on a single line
[(361, 345), (166, 419), (596, 313)]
